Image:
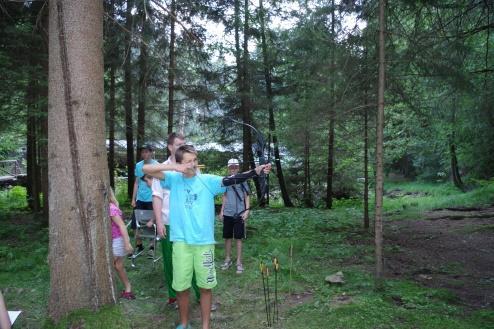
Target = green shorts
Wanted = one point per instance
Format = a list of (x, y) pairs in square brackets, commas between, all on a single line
[(188, 259)]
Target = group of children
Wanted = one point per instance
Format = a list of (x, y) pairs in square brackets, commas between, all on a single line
[(182, 199)]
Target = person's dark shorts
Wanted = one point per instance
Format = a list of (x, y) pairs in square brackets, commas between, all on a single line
[(140, 205), (233, 227)]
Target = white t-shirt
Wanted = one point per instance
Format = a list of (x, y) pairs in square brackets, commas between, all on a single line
[(164, 195)]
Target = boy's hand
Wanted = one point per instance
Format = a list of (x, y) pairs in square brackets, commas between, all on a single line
[(133, 203), (220, 216), (161, 229), (184, 168), (266, 168), (245, 215)]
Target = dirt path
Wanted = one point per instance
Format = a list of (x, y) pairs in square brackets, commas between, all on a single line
[(451, 248)]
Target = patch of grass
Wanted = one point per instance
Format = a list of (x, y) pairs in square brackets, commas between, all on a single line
[(12, 199), (432, 196), (107, 317)]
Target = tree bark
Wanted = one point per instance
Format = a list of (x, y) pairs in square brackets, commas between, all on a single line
[(80, 248), (269, 94), (32, 183), (455, 172), (129, 134), (380, 154), (330, 173), (141, 106), (171, 70), (366, 163), (111, 128), (307, 177)]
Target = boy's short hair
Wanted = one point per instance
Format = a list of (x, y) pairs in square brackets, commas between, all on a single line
[(146, 146), (179, 154), (171, 138)]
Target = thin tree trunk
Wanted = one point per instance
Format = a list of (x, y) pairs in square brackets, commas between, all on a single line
[(380, 153), (272, 127), (43, 117), (246, 104), (80, 247), (330, 173), (366, 163), (366, 147), (307, 179), (141, 107), (455, 172), (129, 134), (171, 70), (32, 183)]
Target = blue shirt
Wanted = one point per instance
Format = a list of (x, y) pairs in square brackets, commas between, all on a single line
[(192, 206), (144, 192)]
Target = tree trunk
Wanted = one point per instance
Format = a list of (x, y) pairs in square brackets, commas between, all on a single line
[(366, 163), (272, 127), (246, 105), (366, 147), (307, 185), (43, 117), (171, 70), (455, 172), (330, 173), (111, 128), (129, 134), (141, 107), (80, 248), (380, 154), (32, 183)]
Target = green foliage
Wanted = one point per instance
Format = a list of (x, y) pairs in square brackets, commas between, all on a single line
[(13, 198)]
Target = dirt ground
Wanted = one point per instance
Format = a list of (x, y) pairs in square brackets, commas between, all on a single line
[(450, 248)]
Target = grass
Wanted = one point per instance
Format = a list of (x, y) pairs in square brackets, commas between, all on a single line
[(433, 196), (323, 242)]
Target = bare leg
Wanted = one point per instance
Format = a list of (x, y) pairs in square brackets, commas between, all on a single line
[(4, 315), (183, 307), (239, 251), (228, 249), (119, 267), (206, 300)]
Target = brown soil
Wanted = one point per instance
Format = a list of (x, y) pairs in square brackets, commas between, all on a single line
[(451, 248)]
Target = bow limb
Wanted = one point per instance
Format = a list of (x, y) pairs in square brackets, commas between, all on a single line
[(259, 149)]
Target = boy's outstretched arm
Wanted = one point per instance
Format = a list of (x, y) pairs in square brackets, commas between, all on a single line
[(157, 170), (242, 177)]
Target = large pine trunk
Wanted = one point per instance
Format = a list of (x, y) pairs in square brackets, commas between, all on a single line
[(80, 246)]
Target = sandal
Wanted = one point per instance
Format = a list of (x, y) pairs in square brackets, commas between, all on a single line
[(226, 265), (240, 269), (127, 295)]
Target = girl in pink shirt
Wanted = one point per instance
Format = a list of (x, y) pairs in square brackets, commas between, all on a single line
[(120, 243)]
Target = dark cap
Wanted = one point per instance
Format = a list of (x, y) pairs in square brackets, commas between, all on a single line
[(146, 147)]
